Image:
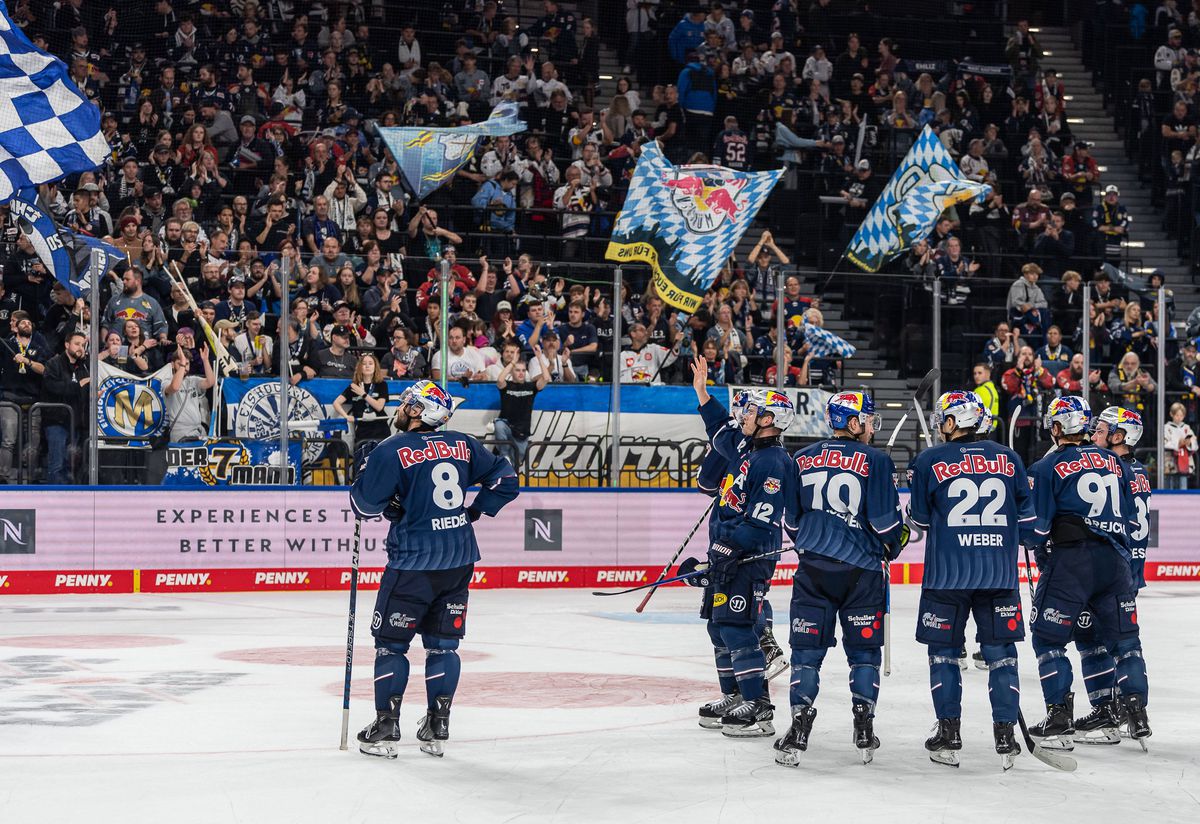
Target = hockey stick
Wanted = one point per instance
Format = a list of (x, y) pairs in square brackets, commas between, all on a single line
[(887, 574), (1053, 759), (675, 557), (922, 390), (691, 574), (350, 634), (1012, 427)]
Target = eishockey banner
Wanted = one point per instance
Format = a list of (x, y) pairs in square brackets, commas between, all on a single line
[(66, 254), (129, 406), (927, 183), (685, 221), (661, 434), (222, 462), (429, 158)]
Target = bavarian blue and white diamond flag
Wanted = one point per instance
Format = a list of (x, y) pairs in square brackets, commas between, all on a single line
[(48, 129), (685, 221), (429, 158), (67, 254), (927, 182)]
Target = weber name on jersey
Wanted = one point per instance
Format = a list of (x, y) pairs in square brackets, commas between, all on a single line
[(980, 494), (846, 496), (1081, 493), (427, 474)]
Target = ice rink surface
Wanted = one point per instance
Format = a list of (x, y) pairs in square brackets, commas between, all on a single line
[(226, 708)]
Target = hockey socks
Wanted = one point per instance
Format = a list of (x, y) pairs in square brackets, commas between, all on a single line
[(864, 674), (1004, 685), (1054, 670), (1131, 671), (1099, 672), (725, 677), (806, 676), (442, 668), (746, 658), (945, 682), (391, 674)]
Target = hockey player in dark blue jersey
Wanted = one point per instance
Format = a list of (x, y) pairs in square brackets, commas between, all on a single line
[(1085, 517), (971, 496), (726, 438), (1117, 430), (418, 480), (751, 504), (845, 520)]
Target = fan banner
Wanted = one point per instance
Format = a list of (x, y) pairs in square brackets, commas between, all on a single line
[(685, 222)]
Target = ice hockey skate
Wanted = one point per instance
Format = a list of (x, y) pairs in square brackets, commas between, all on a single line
[(711, 713), (435, 728), (1006, 744), (944, 744), (864, 732), (382, 736), (1057, 730), (749, 719), (1100, 726), (795, 741)]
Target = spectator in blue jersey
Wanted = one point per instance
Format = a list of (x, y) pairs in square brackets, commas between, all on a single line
[(497, 216), (1001, 350), (687, 36), (760, 274), (318, 226), (579, 338), (732, 148), (529, 331), (1028, 310), (1055, 355), (697, 86)]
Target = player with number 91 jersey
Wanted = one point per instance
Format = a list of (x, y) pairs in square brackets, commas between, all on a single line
[(1081, 493), (426, 475), (973, 501)]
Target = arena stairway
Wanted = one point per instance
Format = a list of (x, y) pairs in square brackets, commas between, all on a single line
[(1149, 245)]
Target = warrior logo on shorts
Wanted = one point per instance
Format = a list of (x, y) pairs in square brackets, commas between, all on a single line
[(737, 603), (376, 620), (1085, 620)]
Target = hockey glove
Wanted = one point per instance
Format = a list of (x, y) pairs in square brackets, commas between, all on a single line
[(473, 514), (394, 511), (892, 551), (691, 565), (722, 562), (1041, 555)]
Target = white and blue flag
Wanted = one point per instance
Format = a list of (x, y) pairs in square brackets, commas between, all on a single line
[(48, 129), (67, 254), (927, 182)]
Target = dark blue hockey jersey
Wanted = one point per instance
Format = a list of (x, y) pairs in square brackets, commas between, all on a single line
[(428, 474), (846, 506), (1082, 493), (973, 501), (1139, 538), (726, 443), (753, 499)]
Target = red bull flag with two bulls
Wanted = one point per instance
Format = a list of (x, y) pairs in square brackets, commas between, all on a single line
[(430, 157), (927, 182), (685, 221)]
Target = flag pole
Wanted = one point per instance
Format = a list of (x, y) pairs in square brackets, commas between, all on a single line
[(94, 372)]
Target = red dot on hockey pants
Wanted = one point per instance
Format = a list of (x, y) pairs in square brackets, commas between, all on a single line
[(1012, 624), (867, 632), (1133, 619), (458, 623)]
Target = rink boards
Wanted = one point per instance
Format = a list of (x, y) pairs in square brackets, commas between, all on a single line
[(151, 540)]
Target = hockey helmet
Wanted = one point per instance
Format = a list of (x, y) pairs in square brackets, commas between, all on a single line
[(436, 405), (1125, 420), (965, 407), (846, 406), (738, 405), (764, 401), (1070, 412)]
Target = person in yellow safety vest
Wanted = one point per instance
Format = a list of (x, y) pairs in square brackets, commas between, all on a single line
[(987, 392)]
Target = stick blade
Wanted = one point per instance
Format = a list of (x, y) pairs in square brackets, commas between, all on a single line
[(927, 382), (1054, 759)]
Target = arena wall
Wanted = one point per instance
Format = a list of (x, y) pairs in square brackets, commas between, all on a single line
[(152, 540)]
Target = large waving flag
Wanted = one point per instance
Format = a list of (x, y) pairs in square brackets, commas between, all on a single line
[(48, 129), (429, 158), (927, 182), (684, 221), (67, 254), (824, 344)]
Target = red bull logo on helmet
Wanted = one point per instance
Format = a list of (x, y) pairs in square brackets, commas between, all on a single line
[(851, 400), (705, 199)]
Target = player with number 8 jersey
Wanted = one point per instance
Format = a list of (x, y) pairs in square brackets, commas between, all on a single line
[(418, 479)]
